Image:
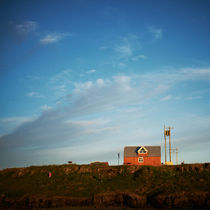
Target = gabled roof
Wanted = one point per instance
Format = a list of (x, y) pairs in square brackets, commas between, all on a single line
[(132, 151)]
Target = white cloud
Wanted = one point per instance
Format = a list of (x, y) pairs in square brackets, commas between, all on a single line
[(61, 82), (139, 57), (156, 32), (89, 116), (127, 46), (91, 71), (86, 99), (18, 120), (123, 82), (45, 108), (195, 73), (30, 94), (121, 64), (83, 86), (26, 27), (34, 94), (166, 98), (124, 51), (100, 82), (53, 37), (177, 75), (103, 48), (194, 97), (83, 122)]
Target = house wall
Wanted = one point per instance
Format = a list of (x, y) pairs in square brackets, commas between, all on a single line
[(154, 161)]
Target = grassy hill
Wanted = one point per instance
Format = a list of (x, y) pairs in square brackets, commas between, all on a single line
[(101, 186)]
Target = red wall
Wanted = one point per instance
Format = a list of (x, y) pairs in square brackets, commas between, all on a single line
[(154, 161)]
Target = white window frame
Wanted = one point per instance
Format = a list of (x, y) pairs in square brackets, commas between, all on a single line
[(141, 149), (140, 159)]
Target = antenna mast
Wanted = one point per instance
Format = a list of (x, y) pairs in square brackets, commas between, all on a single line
[(165, 143), (167, 132)]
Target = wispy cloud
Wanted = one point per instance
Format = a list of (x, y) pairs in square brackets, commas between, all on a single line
[(89, 114), (83, 86), (156, 32), (87, 98), (139, 57), (103, 48), (18, 120), (8, 124), (100, 82), (33, 77), (195, 73), (194, 97), (45, 108), (34, 94), (122, 64), (124, 51), (61, 83), (166, 98), (174, 75), (26, 27), (127, 46), (91, 71), (53, 37)]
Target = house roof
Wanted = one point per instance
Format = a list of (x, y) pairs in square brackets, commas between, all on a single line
[(131, 151)]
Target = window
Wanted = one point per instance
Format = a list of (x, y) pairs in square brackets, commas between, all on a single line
[(141, 160), (142, 151)]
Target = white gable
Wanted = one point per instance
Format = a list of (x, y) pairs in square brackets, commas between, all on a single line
[(142, 150)]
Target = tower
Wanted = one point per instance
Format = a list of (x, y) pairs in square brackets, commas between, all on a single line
[(167, 132)]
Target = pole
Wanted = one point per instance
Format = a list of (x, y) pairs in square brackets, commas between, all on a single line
[(176, 156), (118, 157), (170, 143), (165, 144)]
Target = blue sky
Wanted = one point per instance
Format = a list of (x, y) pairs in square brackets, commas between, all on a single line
[(82, 79)]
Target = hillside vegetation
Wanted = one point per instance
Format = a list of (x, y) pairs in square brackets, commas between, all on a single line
[(101, 186)]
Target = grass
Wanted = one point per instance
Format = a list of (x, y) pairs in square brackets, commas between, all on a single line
[(86, 180)]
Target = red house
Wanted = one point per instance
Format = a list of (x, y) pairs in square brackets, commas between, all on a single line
[(142, 155)]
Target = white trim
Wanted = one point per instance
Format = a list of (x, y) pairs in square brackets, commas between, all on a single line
[(142, 147)]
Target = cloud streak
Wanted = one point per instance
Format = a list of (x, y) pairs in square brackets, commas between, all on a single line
[(87, 98), (8, 124), (60, 83), (156, 32), (34, 94), (26, 27), (124, 51), (91, 71), (53, 38), (127, 46), (139, 57), (96, 111)]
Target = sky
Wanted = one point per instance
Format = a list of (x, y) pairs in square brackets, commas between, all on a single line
[(82, 79)]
